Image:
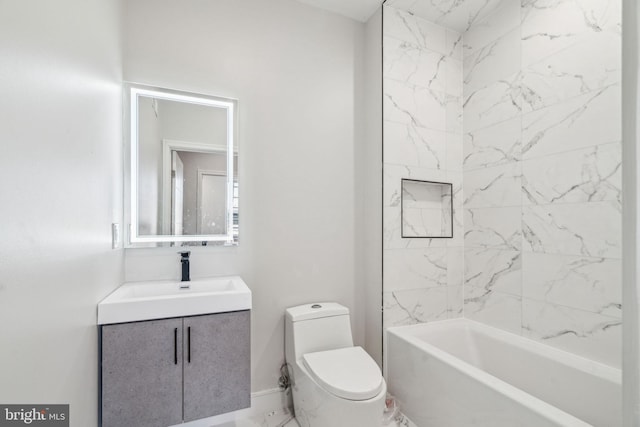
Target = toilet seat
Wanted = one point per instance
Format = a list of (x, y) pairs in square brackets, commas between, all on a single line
[(349, 373)]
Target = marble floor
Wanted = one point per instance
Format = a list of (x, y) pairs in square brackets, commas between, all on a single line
[(271, 419), (284, 419)]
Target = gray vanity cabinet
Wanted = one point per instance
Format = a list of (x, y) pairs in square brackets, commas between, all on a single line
[(163, 372), (218, 350), (142, 373)]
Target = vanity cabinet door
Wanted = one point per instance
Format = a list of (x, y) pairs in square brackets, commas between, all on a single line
[(142, 373), (217, 370)]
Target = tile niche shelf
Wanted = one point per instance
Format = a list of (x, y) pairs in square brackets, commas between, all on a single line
[(427, 209)]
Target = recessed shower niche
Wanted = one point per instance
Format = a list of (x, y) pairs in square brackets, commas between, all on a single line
[(427, 209)]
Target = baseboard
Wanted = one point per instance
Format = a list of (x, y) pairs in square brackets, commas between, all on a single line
[(262, 402)]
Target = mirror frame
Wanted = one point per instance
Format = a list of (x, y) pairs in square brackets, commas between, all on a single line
[(132, 92)]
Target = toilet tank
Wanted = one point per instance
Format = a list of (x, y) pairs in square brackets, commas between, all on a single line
[(316, 327)]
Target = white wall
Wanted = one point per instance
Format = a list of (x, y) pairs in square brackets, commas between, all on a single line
[(369, 177), (293, 69), (60, 170)]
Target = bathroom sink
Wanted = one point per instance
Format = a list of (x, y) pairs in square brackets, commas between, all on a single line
[(165, 298)]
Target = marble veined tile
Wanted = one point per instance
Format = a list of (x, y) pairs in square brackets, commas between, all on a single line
[(454, 151), (426, 209), (401, 420), (587, 175), (549, 26), (419, 106), (493, 228), (408, 144), (454, 43), (490, 270), (421, 195), (501, 21), (455, 266), (392, 180), (426, 215), (453, 77), (455, 14), (399, 4), (453, 113), (586, 283), (411, 306), (458, 211), (497, 60), (590, 335), (278, 418), (587, 229), (587, 120), (404, 26), (414, 268), (426, 223), (493, 145), (414, 65), (455, 301), (496, 309), (582, 68), (492, 104), (493, 187), (392, 237)]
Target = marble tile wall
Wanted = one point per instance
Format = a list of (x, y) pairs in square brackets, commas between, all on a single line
[(525, 105), (542, 179), (422, 72)]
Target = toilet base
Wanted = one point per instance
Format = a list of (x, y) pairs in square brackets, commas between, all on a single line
[(315, 407)]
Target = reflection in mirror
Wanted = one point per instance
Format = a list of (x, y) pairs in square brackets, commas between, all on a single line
[(183, 180)]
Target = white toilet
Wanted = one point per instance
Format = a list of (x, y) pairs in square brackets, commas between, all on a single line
[(334, 383)]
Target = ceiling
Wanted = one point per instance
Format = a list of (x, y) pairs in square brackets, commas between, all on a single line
[(454, 14)]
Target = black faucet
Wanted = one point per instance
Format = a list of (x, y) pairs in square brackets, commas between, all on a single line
[(184, 259)]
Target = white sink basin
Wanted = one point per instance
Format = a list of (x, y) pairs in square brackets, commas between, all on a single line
[(164, 298)]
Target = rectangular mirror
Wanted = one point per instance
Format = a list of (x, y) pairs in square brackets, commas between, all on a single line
[(183, 186)]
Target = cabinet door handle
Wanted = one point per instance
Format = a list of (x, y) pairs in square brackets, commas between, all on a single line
[(175, 346), (189, 344)]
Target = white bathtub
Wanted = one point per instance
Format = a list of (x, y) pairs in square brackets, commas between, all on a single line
[(459, 373)]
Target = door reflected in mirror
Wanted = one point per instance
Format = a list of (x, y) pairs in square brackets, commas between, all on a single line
[(183, 168)]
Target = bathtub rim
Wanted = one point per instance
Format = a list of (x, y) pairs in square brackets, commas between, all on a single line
[(539, 406), (593, 367)]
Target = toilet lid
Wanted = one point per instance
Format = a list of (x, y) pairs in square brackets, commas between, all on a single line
[(349, 373)]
